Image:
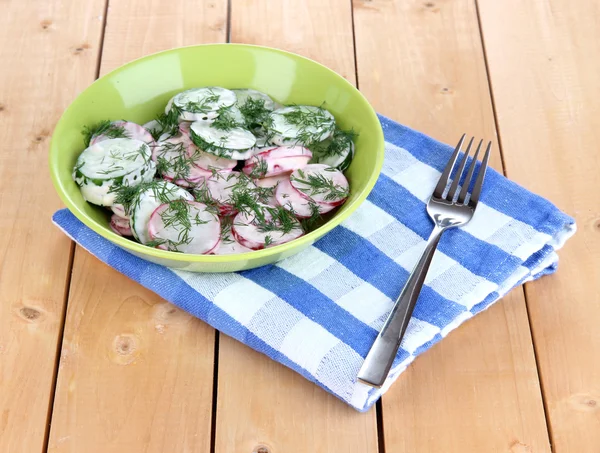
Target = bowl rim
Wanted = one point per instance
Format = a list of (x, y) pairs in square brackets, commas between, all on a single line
[(303, 240)]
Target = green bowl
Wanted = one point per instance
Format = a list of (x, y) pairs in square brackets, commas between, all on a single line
[(139, 90)]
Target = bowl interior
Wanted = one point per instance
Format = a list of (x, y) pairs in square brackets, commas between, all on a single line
[(140, 90)]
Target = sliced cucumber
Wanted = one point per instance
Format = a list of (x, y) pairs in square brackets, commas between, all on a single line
[(337, 151), (235, 143), (201, 104), (111, 163), (243, 94), (300, 125), (145, 203)]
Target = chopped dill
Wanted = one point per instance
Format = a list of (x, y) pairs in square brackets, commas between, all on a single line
[(317, 184), (268, 240), (339, 143), (254, 112), (107, 128), (260, 168), (225, 121)]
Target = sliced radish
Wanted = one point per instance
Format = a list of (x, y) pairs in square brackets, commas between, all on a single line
[(130, 130), (323, 184), (292, 200), (185, 226), (209, 161), (170, 148), (184, 127), (270, 184), (277, 161), (120, 225), (228, 244), (195, 177), (147, 201), (248, 232), (221, 187), (119, 210)]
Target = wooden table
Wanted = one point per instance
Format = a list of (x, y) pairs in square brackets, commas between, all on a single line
[(92, 362)]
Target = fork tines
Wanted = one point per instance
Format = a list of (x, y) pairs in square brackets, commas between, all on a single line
[(440, 188)]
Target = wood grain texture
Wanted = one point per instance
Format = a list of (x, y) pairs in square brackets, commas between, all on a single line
[(318, 29), (477, 390), (543, 60), (263, 406), (136, 373), (48, 52)]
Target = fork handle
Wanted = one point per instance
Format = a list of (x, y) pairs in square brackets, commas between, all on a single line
[(379, 360)]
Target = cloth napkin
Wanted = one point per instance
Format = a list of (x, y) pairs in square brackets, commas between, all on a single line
[(319, 312)]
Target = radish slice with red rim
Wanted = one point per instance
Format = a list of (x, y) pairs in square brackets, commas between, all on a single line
[(228, 244), (184, 226), (292, 200), (321, 183), (123, 129), (277, 161), (256, 234), (120, 225), (221, 186)]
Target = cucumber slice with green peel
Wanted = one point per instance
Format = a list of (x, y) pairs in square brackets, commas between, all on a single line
[(200, 104), (111, 163), (254, 106), (145, 202), (337, 151), (235, 143), (244, 94), (300, 125)]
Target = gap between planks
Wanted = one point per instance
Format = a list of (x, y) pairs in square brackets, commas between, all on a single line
[(61, 329), (504, 171)]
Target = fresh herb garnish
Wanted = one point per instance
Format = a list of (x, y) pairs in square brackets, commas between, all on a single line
[(174, 161), (107, 128), (260, 168), (336, 145), (311, 124), (317, 183), (268, 240), (225, 121), (255, 113), (209, 147)]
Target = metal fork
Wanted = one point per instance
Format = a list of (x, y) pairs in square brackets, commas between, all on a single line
[(447, 211)]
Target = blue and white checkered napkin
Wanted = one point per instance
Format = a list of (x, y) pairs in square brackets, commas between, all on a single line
[(318, 312)]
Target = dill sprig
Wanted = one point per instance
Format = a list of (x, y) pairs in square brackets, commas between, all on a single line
[(107, 128), (336, 145), (178, 165), (254, 112), (315, 217), (260, 168), (167, 124), (129, 196), (209, 147), (311, 123), (317, 184), (225, 121), (268, 240)]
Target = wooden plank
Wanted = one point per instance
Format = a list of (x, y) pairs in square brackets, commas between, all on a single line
[(136, 373), (477, 390), (544, 71), (48, 52), (263, 406)]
